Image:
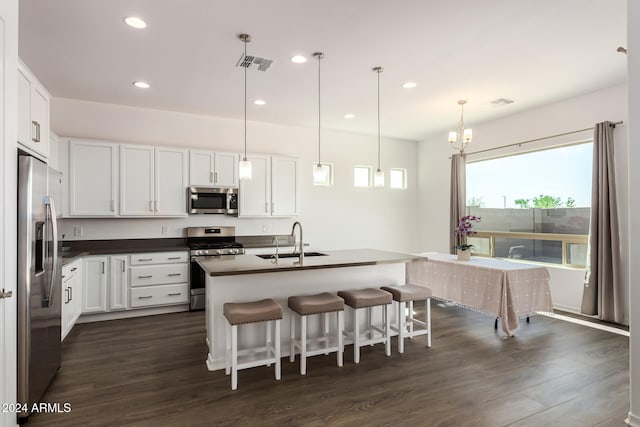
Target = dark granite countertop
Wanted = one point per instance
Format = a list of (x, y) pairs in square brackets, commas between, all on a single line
[(74, 249), (252, 264)]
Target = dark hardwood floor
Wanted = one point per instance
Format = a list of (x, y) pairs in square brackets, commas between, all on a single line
[(150, 372)]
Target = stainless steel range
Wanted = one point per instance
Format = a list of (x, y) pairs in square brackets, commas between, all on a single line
[(207, 242)]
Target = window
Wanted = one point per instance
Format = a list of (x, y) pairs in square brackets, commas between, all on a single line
[(534, 206), (328, 176), (362, 176), (398, 178)]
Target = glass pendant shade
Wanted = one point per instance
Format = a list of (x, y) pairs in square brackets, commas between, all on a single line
[(244, 169), (378, 179), (453, 136), (467, 135), (319, 174)]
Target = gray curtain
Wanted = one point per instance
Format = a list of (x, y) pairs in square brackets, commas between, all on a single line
[(458, 196), (603, 293)]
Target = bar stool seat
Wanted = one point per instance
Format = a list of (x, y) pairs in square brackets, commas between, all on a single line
[(408, 294), (303, 306), (368, 298), (244, 313)]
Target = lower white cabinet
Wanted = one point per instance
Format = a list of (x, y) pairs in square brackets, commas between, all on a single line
[(71, 296), (159, 279), (105, 283), (127, 281)]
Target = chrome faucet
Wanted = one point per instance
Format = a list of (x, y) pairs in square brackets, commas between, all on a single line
[(276, 255), (293, 233)]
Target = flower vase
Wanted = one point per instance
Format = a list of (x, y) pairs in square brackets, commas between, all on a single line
[(464, 254)]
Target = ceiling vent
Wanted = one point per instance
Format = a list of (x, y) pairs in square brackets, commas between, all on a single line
[(502, 101), (250, 61)]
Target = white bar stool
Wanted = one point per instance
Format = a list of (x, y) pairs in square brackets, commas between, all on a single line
[(252, 312), (303, 306), (368, 298), (408, 294)]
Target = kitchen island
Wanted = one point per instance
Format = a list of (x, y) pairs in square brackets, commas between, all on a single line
[(244, 278)]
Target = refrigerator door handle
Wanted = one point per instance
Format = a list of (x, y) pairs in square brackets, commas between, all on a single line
[(48, 200)]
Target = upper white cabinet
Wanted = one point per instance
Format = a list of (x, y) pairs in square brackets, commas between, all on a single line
[(208, 168), (153, 181), (33, 112), (255, 193), (93, 178), (272, 189)]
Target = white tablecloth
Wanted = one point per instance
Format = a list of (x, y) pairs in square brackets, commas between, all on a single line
[(505, 289)]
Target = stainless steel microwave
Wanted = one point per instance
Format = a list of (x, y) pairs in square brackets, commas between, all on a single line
[(207, 200)]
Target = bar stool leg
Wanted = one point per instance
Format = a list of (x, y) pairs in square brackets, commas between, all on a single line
[(292, 341), (268, 339), (303, 345), (370, 323), (356, 337), (277, 349), (402, 326), (428, 320), (410, 320), (387, 329), (340, 338), (325, 318), (234, 357), (227, 353)]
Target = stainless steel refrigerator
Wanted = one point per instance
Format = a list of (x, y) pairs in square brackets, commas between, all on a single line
[(39, 279)]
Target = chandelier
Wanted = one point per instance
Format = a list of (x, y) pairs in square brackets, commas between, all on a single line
[(461, 138)]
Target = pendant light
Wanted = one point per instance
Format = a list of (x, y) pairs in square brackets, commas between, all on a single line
[(378, 178), (319, 171), (244, 168)]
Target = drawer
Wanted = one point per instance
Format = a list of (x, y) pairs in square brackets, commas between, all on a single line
[(70, 270), (159, 295), (159, 258), (159, 274)]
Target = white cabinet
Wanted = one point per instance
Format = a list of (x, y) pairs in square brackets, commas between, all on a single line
[(105, 283), (159, 279), (94, 293), (153, 181), (272, 189), (208, 168), (118, 282), (33, 112), (71, 296), (93, 178)]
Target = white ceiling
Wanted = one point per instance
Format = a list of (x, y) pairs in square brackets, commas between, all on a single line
[(531, 51)]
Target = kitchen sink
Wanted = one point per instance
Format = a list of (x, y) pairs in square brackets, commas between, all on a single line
[(306, 254)]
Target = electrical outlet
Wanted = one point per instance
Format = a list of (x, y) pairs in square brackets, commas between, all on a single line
[(77, 231), (165, 230), (264, 228)]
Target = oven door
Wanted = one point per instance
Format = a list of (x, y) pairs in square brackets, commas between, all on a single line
[(210, 200), (197, 286)]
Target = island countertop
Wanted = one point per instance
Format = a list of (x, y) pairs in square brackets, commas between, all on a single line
[(252, 264)]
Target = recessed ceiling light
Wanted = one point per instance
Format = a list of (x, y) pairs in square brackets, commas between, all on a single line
[(141, 85), (259, 102), (298, 59), (502, 101), (135, 22), (409, 85), (349, 116)]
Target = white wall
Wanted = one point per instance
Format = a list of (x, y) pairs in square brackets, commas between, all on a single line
[(334, 218), (565, 116)]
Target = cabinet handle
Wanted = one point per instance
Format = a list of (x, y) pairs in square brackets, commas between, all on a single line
[(74, 269), (113, 206), (174, 257), (36, 125), (215, 177), (266, 207), (70, 294), (146, 297), (174, 274), (210, 176), (157, 203), (145, 259), (175, 294), (145, 277), (66, 295), (102, 267), (151, 205), (123, 266)]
